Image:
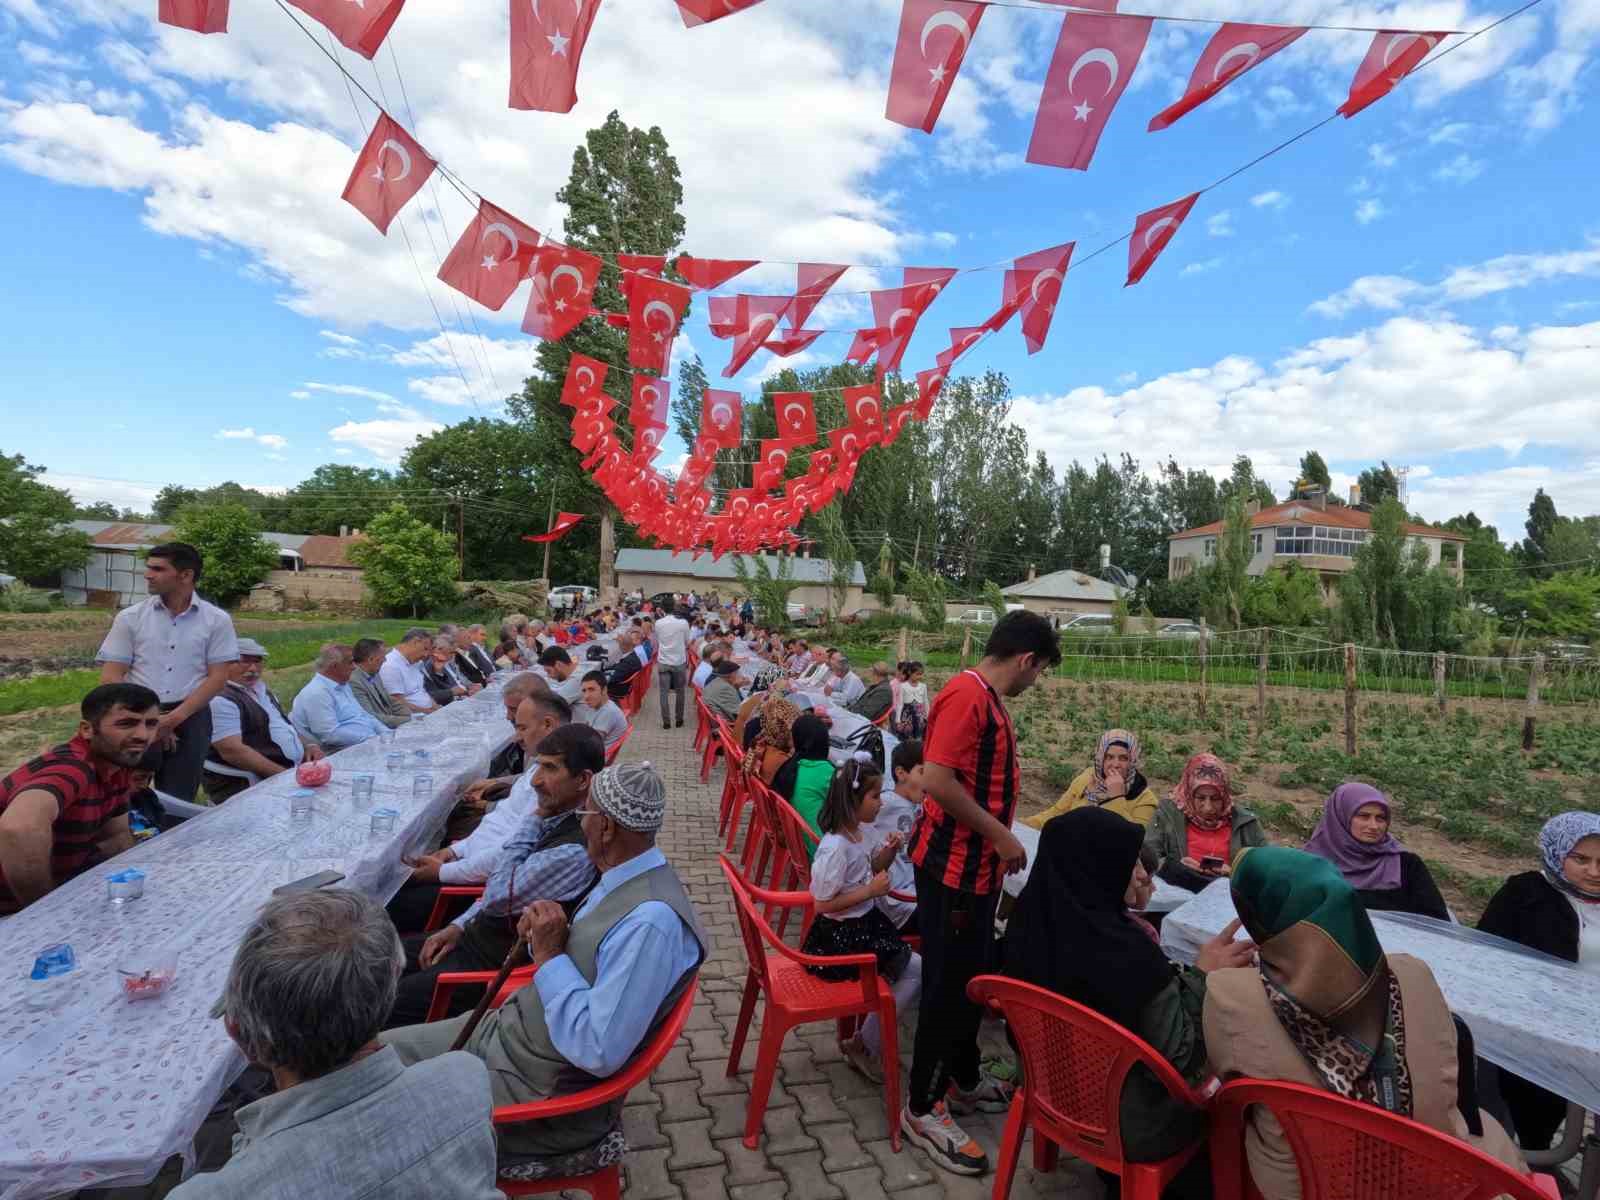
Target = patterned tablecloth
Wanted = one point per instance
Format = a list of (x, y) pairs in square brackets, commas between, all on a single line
[(1536, 1015), (100, 1090)]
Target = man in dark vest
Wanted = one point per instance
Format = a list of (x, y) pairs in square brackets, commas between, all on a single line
[(252, 737), (605, 980), (544, 860)]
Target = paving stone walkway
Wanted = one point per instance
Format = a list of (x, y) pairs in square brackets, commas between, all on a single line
[(826, 1133)]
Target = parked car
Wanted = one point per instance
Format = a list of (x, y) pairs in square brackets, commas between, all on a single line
[(572, 597), (1568, 651), (1188, 630), (973, 616), (1068, 622)]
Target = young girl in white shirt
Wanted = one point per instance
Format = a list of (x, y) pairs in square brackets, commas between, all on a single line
[(910, 712), (846, 882)]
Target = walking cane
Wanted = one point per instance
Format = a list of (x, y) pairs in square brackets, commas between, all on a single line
[(513, 960)]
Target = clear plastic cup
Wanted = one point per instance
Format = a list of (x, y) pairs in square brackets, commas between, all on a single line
[(146, 974), (124, 885), (361, 790), (301, 803), (422, 787), (394, 760), (386, 738), (383, 821)]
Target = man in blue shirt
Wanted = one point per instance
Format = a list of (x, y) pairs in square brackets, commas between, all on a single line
[(326, 710)]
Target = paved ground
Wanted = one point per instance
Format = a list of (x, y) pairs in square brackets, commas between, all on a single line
[(826, 1132)]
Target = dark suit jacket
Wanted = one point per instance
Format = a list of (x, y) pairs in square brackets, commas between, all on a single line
[(436, 684), (621, 677), (470, 670), (484, 660)]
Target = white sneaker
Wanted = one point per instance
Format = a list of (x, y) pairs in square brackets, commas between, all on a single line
[(944, 1141)]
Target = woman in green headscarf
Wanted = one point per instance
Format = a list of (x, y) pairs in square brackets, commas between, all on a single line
[(1327, 1008)]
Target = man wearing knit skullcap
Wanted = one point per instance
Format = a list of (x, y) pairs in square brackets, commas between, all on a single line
[(603, 983)]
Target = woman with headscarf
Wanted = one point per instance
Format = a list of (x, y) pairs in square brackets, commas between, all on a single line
[(1555, 910), (1113, 783), (1071, 932), (1354, 836), (804, 779), (1325, 1007), (774, 740), (1198, 830)]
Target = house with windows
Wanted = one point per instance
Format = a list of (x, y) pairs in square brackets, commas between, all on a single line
[(1319, 536)]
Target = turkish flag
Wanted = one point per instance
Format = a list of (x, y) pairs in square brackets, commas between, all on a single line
[(1033, 287), (812, 283), (864, 345), (646, 442), (585, 377), (864, 407), (964, 338), (721, 417), (649, 404), (793, 342), (1095, 56), (358, 26), (934, 36), (390, 169), (703, 12), (723, 318), (563, 288), (929, 384), (706, 273), (1232, 51), (564, 522), (545, 48), (848, 444), (770, 466), (587, 432), (655, 306), (897, 311), (894, 421), (796, 416), (491, 256), (644, 264), (1151, 233), (198, 16), (757, 317), (1393, 55)]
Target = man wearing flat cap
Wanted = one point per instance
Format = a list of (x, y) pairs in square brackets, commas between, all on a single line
[(604, 982), (252, 738), (722, 693)]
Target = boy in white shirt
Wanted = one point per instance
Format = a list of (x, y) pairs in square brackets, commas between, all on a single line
[(897, 813)]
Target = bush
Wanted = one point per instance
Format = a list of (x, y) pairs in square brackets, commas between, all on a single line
[(235, 555), (21, 599), (928, 591)]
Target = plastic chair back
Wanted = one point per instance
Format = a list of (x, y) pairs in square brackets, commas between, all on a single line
[(1346, 1150), (616, 747)]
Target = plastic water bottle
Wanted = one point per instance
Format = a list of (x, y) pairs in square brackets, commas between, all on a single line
[(50, 979)]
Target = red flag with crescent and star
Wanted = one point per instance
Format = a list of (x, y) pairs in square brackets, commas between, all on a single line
[(755, 320), (649, 404), (391, 168), (1151, 233), (197, 16), (721, 417), (1033, 287), (585, 378), (1393, 55), (547, 38), (722, 317), (812, 281), (564, 522), (706, 273), (703, 12), (491, 256), (897, 311), (934, 36), (1232, 50), (587, 432), (1095, 57), (929, 384), (563, 287), (796, 417), (863, 406), (655, 306), (358, 26), (792, 342), (774, 457)]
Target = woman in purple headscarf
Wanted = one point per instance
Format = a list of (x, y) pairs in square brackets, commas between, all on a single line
[(1354, 836)]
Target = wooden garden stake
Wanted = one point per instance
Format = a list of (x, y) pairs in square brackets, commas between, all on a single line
[(966, 646), (1261, 686), (1350, 698), (1533, 701), (1438, 680), (1205, 638), (900, 653)]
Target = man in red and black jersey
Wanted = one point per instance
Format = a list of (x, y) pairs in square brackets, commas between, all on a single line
[(66, 810), (961, 848)]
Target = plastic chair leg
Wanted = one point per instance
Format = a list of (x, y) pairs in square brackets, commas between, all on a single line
[(889, 1030), (766, 1071), (1045, 1152), (1141, 1181), (1005, 1163), (747, 1010)]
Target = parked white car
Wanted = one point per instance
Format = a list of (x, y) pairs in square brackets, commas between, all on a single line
[(1084, 623), (572, 597), (1188, 630), (973, 616)]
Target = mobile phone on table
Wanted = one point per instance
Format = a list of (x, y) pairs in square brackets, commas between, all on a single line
[(1211, 863), (310, 883)]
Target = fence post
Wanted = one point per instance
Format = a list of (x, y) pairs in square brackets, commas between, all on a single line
[(1533, 701), (1205, 651), (1438, 679), (1261, 684), (966, 646), (900, 654), (1350, 698)]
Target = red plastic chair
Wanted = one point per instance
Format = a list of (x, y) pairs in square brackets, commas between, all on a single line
[(442, 903), (702, 718), (1074, 1062), (615, 748), (796, 997), (445, 984), (721, 743), (1346, 1150)]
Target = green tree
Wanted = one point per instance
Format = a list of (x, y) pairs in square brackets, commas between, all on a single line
[(487, 466), (1244, 482), (882, 583), (1542, 520), (1574, 543), (34, 542), (1313, 473), (1563, 605), (335, 496), (840, 552), (1228, 576), (994, 598), (927, 590), (406, 563), (1378, 484), (229, 539), (100, 510), (1284, 596), (1493, 574), (769, 587)]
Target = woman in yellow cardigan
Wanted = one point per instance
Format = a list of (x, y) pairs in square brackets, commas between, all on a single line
[(1113, 783)]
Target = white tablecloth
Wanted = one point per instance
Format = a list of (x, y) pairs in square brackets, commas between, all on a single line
[(101, 1090), (1537, 1015), (1165, 898), (845, 724)]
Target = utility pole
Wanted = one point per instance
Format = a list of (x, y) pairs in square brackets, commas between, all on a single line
[(916, 551), (461, 539), (549, 524)]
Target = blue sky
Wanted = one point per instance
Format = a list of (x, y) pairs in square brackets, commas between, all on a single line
[(189, 300)]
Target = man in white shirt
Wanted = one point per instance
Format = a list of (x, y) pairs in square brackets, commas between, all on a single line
[(326, 710), (180, 647), (672, 660), (402, 675), (713, 653), (599, 711), (250, 732), (842, 685)]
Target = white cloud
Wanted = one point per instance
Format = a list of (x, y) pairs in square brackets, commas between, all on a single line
[(36, 55), (342, 339), (1381, 156), (1369, 211), (467, 369), (299, 395), (1463, 168), (1201, 267), (1508, 272), (272, 441), (1273, 199), (89, 489), (385, 438), (1220, 224), (1452, 134), (347, 389)]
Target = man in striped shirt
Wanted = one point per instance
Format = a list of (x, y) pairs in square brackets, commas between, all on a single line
[(961, 848), (66, 810)]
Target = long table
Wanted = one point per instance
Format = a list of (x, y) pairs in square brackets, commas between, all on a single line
[(101, 1091), (1536, 1015), (1164, 899)]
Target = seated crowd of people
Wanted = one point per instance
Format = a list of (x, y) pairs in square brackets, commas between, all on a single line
[(330, 991)]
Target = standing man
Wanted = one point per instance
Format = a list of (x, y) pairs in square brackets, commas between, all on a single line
[(961, 848), (402, 675), (179, 646), (368, 688), (67, 809), (250, 732), (672, 659), (326, 711)]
